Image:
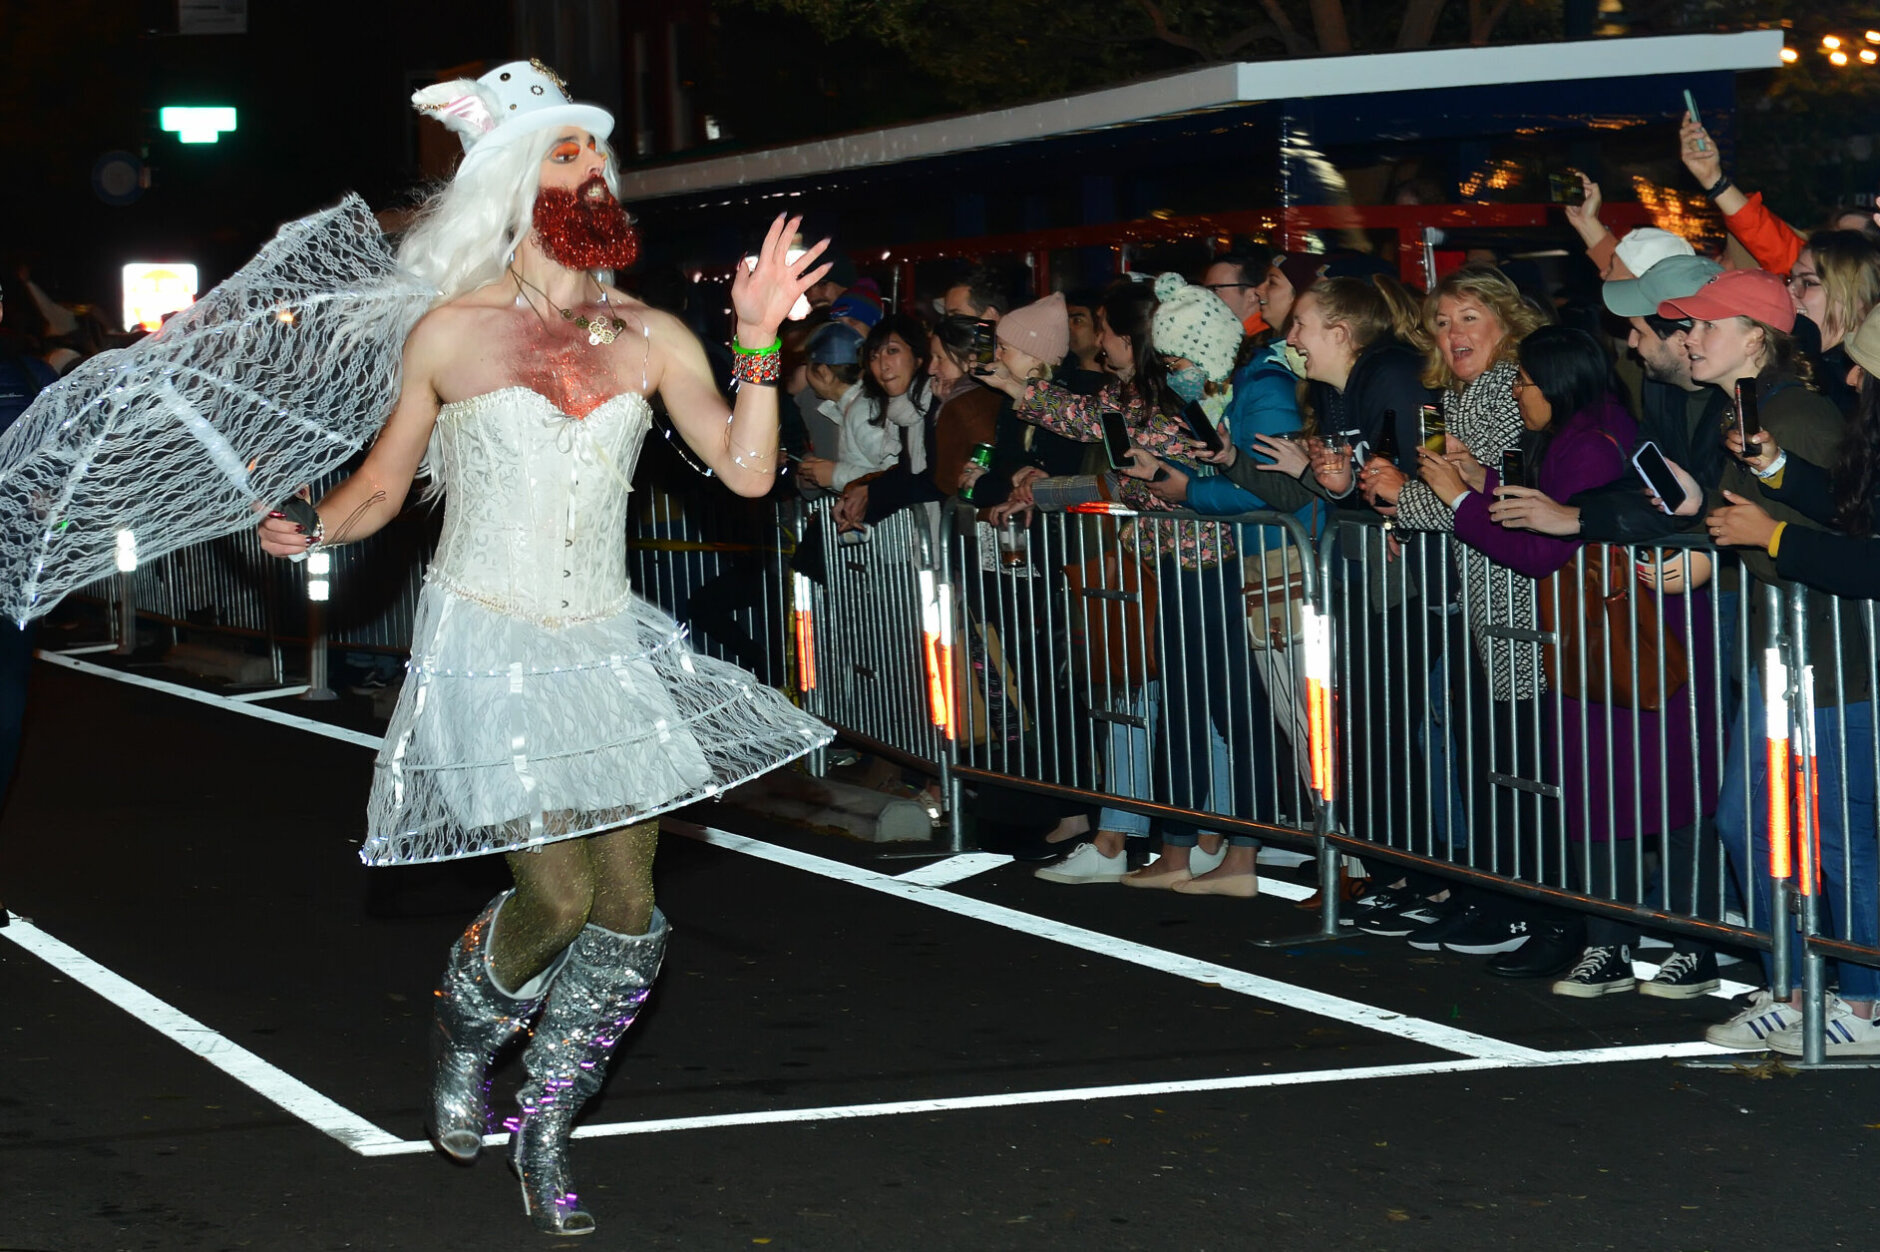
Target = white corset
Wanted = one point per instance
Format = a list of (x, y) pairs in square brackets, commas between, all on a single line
[(535, 506)]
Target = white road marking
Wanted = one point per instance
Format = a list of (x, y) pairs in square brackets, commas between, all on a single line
[(957, 868), (219, 701), (1448, 1038), (279, 693), (265, 1080), (1074, 1095)]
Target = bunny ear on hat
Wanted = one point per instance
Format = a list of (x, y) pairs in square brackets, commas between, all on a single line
[(462, 104)]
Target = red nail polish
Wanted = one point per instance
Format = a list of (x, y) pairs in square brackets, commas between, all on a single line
[(277, 514)]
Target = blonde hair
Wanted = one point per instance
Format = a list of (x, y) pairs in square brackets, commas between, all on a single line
[(1849, 268), (1493, 290), (1370, 308)]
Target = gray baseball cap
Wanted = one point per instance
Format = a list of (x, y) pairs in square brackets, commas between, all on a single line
[(835, 344), (1673, 278)]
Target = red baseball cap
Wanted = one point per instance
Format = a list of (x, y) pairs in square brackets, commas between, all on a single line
[(1738, 293)]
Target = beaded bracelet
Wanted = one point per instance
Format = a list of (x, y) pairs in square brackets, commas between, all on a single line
[(762, 369)]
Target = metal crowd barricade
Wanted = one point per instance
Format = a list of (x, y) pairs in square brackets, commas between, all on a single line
[(871, 629), (1824, 766), (1098, 660), (1487, 735)]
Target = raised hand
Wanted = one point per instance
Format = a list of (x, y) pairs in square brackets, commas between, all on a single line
[(1766, 449), (1584, 216), (763, 294), (1699, 152)]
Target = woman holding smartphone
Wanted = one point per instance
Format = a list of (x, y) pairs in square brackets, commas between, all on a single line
[(1626, 773), (1775, 529)]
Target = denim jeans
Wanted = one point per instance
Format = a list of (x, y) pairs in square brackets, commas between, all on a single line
[(1129, 768), (1849, 863)]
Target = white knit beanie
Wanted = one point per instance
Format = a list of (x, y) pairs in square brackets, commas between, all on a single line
[(1194, 323)]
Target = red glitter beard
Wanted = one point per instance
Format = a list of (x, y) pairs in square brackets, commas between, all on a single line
[(585, 233)]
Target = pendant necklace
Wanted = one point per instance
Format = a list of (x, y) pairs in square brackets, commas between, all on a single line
[(600, 330)]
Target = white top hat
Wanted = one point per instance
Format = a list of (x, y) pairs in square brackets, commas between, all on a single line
[(509, 103)]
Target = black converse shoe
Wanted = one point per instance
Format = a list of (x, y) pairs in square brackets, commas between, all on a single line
[(1603, 970), (1685, 975)]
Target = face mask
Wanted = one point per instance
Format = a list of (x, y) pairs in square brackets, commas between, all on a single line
[(1188, 383)]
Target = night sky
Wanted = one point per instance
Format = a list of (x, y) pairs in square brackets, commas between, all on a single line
[(322, 95)]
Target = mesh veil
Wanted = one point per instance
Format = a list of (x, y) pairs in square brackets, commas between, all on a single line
[(268, 381)]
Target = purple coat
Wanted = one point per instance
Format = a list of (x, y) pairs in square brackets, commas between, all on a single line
[(1624, 772)]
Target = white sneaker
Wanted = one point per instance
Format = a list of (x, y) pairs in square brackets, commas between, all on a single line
[(1751, 1029), (1085, 864), (1845, 1034), (1200, 862)]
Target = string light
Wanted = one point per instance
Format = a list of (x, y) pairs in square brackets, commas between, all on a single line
[(1838, 58), (1790, 56), (1830, 41)]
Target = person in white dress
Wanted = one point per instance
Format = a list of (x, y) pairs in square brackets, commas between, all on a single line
[(548, 713)]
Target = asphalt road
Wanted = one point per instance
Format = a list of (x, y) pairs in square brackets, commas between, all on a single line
[(1366, 1096)]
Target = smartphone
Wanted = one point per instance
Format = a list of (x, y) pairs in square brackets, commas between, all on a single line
[(1116, 441), (1434, 429), (1387, 439), (1565, 188), (1690, 106), (1656, 471), (1748, 414), (1513, 469), (985, 346), (1205, 431)]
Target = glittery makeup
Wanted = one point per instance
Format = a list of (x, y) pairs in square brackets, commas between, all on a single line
[(585, 229)]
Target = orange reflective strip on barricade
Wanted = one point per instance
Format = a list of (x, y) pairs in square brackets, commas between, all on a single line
[(805, 634), (1807, 823), (1318, 673), (1776, 728)]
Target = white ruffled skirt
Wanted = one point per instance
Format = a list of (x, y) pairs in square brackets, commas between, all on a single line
[(510, 734)]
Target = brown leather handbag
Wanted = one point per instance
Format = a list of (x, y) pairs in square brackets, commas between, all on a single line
[(1601, 612), (1113, 602)]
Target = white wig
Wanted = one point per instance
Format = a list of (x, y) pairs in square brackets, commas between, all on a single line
[(466, 232)]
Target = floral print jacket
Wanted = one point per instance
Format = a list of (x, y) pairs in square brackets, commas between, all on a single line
[(1197, 545)]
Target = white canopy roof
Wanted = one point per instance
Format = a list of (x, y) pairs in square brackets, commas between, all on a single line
[(1214, 87)]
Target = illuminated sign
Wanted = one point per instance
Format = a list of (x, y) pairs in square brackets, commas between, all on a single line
[(151, 291), (197, 125)]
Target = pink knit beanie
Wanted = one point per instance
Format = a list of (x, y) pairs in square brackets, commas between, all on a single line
[(1042, 328)]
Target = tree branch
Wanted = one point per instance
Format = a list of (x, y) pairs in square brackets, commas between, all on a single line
[(1162, 31), (1328, 24), (1241, 38), (1481, 27), (1419, 23)]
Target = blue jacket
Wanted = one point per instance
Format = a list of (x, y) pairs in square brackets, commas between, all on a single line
[(1265, 402)]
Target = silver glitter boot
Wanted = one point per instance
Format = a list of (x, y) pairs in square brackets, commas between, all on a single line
[(475, 1018), (590, 1007)]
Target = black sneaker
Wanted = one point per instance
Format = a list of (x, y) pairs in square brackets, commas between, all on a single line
[(1416, 914), (1602, 970), (1472, 932), (1375, 903), (1685, 975), (1552, 946), (1451, 917)]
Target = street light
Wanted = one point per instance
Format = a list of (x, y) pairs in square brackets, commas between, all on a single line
[(193, 124)]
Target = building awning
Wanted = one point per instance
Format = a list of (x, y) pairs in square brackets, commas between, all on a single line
[(1218, 87)]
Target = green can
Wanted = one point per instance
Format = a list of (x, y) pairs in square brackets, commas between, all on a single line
[(981, 455)]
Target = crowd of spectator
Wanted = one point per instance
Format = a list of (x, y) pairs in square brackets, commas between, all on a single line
[(1317, 385)]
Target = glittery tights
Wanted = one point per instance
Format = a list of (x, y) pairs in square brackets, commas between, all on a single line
[(605, 879)]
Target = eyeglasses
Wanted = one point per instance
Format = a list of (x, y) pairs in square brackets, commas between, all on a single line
[(1522, 384)]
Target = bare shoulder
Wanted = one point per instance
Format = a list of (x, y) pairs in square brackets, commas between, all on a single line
[(664, 331)]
